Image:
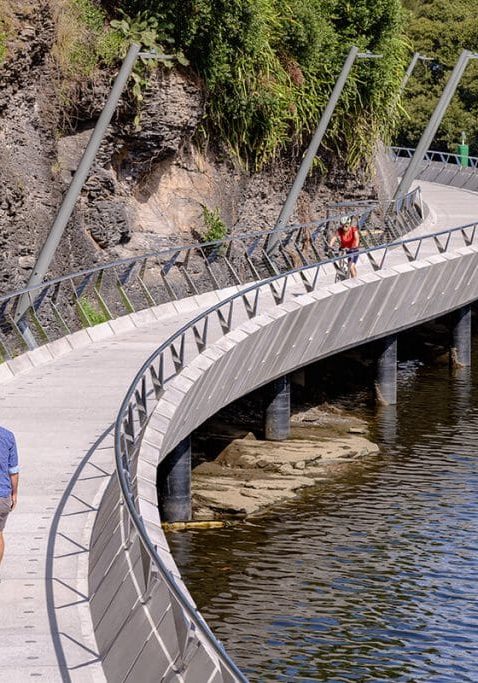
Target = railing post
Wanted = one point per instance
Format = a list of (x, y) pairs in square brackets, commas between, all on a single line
[(386, 382), (277, 409), (460, 337), (173, 484)]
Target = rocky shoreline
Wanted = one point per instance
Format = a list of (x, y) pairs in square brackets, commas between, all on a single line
[(250, 475)]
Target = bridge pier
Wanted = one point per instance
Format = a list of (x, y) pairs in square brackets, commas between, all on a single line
[(277, 409), (173, 484), (386, 382), (460, 337)]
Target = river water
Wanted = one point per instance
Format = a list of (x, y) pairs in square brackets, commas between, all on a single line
[(372, 576)]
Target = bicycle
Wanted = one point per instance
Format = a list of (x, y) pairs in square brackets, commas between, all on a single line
[(341, 265)]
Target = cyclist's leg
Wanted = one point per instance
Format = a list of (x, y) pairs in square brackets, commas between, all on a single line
[(352, 260)]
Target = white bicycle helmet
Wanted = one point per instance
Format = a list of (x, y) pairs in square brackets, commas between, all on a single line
[(345, 220)]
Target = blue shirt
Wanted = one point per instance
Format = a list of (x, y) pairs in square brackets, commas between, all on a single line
[(8, 461)]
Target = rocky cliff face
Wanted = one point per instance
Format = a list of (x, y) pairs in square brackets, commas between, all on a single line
[(147, 187)]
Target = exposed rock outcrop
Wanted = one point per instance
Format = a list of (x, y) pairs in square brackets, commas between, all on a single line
[(148, 184)]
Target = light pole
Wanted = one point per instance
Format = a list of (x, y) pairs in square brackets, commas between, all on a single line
[(434, 122), (306, 164), (416, 57), (69, 200)]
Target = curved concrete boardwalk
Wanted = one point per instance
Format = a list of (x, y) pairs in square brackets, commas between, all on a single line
[(61, 413)]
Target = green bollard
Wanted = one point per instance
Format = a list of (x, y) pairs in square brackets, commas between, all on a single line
[(463, 153), (463, 150)]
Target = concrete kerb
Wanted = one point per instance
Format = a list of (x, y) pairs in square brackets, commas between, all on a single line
[(89, 335)]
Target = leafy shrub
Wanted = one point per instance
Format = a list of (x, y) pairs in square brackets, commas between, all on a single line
[(81, 37), (152, 32), (430, 34), (6, 28), (3, 45), (216, 229), (269, 68)]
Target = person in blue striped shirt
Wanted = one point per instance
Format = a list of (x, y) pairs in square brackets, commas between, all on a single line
[(8, 479)]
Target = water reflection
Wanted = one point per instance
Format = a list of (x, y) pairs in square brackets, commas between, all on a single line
[(460, 393), (386, 425), (370, 577)]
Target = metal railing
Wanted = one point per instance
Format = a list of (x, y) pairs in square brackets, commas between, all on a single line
[(436, 156), (69, 303), (169, 360), (439, 167)]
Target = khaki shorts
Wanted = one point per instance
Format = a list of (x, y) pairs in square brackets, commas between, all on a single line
[(5, 507)]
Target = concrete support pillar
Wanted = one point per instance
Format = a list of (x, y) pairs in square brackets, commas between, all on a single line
[(277, 409), (174, 484), (386, 382), (460, 338)]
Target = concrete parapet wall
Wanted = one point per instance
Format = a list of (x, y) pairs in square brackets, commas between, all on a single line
[(141, 633), (452, 175), (298, 332), (314, 326)]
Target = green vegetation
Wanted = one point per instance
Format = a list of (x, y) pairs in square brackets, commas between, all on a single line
[(216, 229), (3, 44), (441, 29), (83, 40), (269, 66), (89, 314), (86, 40), (5, 29)]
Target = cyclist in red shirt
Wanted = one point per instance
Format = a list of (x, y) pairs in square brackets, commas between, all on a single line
[(348, 236)]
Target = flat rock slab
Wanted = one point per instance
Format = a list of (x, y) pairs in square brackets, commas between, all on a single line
[(250, 475)]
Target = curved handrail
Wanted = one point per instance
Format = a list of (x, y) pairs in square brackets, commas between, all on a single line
[(173, 250), (435, 155), (126, 444), (136, 407), (108, 290)]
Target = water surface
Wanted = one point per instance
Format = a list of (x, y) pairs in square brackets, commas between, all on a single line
[(371, 577)]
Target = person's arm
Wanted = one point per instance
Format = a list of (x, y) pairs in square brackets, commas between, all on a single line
[(14, 481), (333, 241), (356, 241), (13, 470)]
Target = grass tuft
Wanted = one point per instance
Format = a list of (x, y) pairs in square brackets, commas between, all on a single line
[(84, 41), (6, 28)]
